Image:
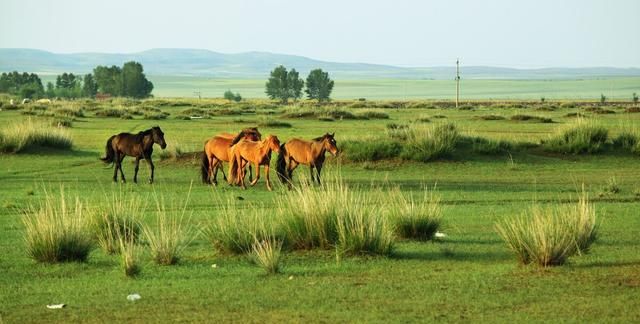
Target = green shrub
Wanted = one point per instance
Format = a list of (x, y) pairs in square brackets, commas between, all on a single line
[(490, 146), (579, 138), (267, 253), (156, 115), (57, 230), (118, 219), (69, 112), (429, 143), (491, 117), (110, 112), (626, 140)]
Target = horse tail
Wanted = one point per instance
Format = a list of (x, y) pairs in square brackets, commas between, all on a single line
[(233, 170), (281, 165), (204, 167), (110, 153)]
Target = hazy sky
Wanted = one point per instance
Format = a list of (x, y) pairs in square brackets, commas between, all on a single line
[(540, 33)]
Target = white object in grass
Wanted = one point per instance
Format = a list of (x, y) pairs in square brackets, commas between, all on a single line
[(56, 306), (133, 297), (440, 235)]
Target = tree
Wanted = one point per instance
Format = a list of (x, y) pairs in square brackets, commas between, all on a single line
[(283, 85), (89, 87), (109, 79), (319, 85), (603, 98), (134, 82), (66, 81), (635, 98), (295, 83), (229, 95), (51, 91), (27, 85)]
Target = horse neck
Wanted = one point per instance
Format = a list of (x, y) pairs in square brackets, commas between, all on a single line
[(147, 141), (317, 149)]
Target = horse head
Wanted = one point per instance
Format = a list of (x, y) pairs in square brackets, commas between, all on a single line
[(251, 134), (329, 143), (158, 136), (273, 142)]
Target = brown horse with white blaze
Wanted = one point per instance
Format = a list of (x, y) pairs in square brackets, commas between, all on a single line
[(311, 153), (216, 151), (138, 145), (258, 153)]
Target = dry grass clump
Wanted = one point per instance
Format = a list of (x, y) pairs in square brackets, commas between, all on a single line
[(170, 235), (117, 220), (414, 219), (18, 137), (582, 136)]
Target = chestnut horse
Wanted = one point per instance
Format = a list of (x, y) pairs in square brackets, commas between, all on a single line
[(138, 145), (258, 153), (216, 150), (311, 153)]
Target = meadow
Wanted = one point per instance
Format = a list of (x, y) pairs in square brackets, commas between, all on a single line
[(468, 275)]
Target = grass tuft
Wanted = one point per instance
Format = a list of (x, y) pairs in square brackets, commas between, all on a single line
[(415, 219), (20, 136)]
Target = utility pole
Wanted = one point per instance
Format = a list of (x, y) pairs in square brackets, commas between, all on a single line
[(457, 82), (197, 93)]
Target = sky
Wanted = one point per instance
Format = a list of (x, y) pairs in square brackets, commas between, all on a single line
[(506, 33)]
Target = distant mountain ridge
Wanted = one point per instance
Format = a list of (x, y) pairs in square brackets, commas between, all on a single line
[(251, 65)]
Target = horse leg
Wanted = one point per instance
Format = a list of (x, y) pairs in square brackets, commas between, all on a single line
[(313, 179), (135, 174), (318, 170), (152, 169), (266, 174), (240, 172), (251, 172), (253, 183), (213, 171), (120, 167), (115, 167)]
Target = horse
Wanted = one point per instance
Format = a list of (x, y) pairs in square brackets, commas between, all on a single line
[(216, 150), (138, 145), (258, 153), (311, 153)]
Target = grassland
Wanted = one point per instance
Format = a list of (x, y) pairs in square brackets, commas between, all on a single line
[(468, 276), (398, 89)]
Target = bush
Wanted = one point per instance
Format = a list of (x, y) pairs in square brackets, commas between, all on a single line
[(62, 122), (69, 112), (579, 138), (57, 230), (110, 112), (20, 136), (489, 146), (548, 237), (415, 219), (156, 115), (229, 95), (371, 150), (626, 141), (429, 143), (491, 117)]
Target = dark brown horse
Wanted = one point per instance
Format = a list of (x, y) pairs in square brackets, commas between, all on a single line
[(216, 150), (138, 145), (311, 153)]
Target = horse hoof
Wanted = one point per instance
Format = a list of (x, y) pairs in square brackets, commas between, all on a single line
[(150, 181)]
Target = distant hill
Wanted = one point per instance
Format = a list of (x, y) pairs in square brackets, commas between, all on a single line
[(251, 65)]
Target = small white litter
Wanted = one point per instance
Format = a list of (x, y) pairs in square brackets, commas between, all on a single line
[(133, 297), (195, 117), (214, 265), (290, 277), (440, 235), (56, 306)]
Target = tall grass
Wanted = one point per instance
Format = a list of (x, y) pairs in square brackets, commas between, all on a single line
[(129, 253), (171, 234), (118, 219), (583, 136), (371, 149), (20, 136), (415, 219), (334, 216), (57, 230), (549, 236), (267, 253), (426, 143), (236, 229)]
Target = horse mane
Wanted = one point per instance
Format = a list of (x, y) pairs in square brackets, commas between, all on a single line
[(144, 133), (237, 138), (318, 139)]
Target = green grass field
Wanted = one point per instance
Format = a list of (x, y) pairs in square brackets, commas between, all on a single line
[(397, 89), (470, 275)]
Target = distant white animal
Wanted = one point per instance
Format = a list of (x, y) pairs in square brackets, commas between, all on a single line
[(43, 101), (11, 102), (26, 100), (440, 235)]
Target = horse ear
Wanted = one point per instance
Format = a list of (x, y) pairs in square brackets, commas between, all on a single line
[(333, 134)]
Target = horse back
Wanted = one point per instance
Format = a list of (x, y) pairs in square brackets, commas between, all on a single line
[(219, 147), (300, 151)]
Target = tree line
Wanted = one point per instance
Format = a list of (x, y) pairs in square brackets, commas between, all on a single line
[(126, 81)]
